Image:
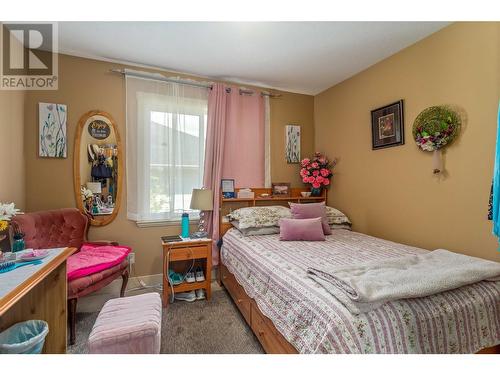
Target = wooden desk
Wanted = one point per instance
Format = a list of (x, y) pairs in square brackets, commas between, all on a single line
[(42, 295), (199, 250)]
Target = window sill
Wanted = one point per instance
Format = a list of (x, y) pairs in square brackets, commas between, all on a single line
[(164, 223)]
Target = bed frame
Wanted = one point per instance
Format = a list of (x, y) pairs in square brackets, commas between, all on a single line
[(270, 338)]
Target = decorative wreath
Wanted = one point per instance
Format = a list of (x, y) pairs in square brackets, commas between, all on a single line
[(436, 127)]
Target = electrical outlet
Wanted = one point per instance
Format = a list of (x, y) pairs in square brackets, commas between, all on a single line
[(131, 258)]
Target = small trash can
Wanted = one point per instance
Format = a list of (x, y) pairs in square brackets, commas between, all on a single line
[(24, 338)]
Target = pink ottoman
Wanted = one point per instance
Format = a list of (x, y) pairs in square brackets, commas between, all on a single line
[(128, 325)]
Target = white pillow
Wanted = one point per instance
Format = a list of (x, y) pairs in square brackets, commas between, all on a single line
[(259, 217), (340, 226), (335, 216), (255, 231)]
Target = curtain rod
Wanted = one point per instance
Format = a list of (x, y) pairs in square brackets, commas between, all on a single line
[(188, 82)]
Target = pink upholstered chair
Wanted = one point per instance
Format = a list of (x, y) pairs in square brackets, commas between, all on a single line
[(68, 227)]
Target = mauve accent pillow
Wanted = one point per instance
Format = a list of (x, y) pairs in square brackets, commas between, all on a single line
[(301, 230), (311, 210)]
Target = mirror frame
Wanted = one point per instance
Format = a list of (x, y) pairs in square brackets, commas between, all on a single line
[(76, 166)]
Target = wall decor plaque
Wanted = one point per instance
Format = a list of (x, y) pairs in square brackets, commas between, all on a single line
[(99, 129)]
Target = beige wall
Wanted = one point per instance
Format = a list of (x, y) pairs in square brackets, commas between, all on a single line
[(392, 193), (12, 181), (86, 85), (290, 109)]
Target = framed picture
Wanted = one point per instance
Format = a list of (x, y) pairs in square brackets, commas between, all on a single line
[(280, 189), (227, 187), (292, 144), (388, 126), (52, 140)]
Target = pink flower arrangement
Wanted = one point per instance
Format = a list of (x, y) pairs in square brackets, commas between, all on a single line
[(317, 171)]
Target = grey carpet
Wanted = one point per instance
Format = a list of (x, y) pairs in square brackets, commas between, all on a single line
[(200, 327)]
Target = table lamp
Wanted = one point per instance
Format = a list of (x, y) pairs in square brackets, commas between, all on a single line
[(203, 200)]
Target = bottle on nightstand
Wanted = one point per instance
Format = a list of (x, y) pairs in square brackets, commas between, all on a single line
[(185, 225)]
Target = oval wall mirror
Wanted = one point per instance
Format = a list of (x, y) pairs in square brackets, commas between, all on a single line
[(97, 167)]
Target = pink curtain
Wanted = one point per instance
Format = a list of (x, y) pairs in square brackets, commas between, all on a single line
[(244, 143), (234, 146), (214, 157)]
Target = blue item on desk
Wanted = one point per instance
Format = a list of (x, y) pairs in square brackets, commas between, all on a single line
[(185, 225), (9, 266)]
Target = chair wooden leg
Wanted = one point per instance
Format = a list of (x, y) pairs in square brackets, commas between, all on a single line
[(124, 283), (72, 320)]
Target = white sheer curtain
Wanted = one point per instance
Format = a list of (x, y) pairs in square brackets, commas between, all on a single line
[(166, 130)]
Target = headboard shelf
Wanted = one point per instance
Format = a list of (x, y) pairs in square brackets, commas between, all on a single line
[(295, 195), (299, 199)]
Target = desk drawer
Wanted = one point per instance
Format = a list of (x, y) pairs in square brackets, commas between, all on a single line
[(237, 293), (184, 253)]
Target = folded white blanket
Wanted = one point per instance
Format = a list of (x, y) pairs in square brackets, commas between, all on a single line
[(364, 287)]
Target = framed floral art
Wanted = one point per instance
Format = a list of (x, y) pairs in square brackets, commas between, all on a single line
[(52, 139), (388, 126), (292, 144)]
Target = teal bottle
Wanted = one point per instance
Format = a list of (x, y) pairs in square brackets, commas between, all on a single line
[(185, 225), (18, 244)]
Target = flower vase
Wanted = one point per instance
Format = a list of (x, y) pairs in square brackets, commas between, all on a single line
[(316, 192), (4, 241)]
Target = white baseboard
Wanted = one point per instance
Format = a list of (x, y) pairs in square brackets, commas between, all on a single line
[(133, 283)]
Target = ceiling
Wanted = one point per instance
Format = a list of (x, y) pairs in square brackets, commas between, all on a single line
[(303, 57)]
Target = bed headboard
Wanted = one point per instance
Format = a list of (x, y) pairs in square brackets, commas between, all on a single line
[(229, 204)]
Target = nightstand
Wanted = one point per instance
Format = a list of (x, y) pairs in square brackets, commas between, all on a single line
[(185, 251)]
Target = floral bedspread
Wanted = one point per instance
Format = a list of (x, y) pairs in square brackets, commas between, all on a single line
[(273, 273)]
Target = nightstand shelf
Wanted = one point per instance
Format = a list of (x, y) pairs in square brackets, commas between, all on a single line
[(186, 287), (199, 250)]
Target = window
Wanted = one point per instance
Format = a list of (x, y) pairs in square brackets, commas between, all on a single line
[(166, 129), (176, 164)]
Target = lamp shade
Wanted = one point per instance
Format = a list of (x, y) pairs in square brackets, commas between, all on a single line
[(202, 199), (94, 187)]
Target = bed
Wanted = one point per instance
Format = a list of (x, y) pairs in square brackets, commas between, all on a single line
[(291, 313)]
